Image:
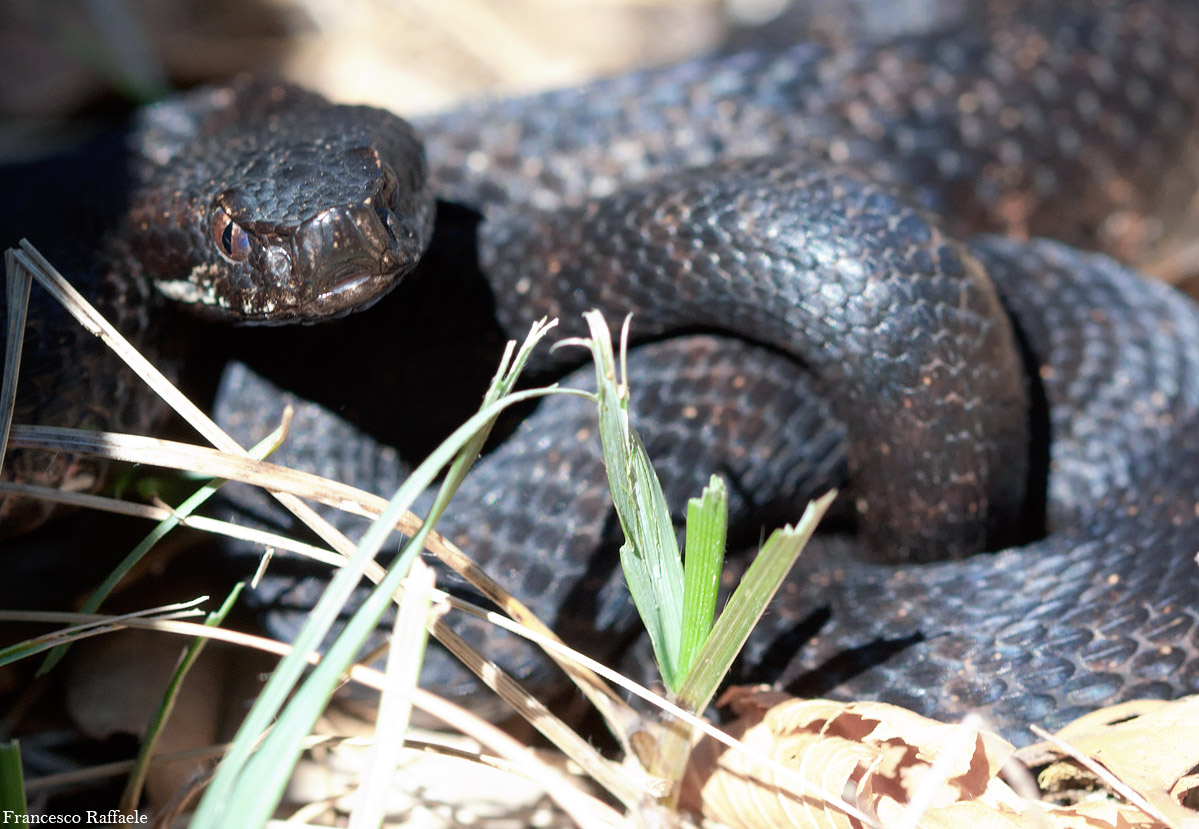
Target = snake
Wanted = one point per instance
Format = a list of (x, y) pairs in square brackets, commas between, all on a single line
[(828, 253)]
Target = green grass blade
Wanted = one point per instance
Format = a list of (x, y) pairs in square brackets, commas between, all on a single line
[(95, 627), (141, 766), (250, 780), (260, 450), (747, 604), (409, 638), (12, 782), (502, 383), (707, 530), (264, 776), (650, 555)]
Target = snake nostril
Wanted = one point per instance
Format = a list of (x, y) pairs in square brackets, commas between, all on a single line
[(390, 222)]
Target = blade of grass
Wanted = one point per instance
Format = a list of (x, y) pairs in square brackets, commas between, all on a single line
[(605, 772), (676, 601), (18, 282), (746, 606), (97, 625), (12, 782), (502, 384), (263, 774), (650, 555), (251, 779), (141, 767), (190, 505), (409, 637), (707, 529), (668, 754)]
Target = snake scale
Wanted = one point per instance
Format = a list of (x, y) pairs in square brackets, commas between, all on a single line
[(813, 222)]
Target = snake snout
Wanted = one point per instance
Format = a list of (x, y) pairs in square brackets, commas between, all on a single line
[(348, 258)]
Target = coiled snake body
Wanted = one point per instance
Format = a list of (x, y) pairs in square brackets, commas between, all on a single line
[(976, 393)]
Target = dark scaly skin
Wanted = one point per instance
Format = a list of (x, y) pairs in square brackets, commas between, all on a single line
[(1103, 609), (1063, 119), (945, 129), (1056, 119), (838, 272), (938, 647), (1099, 611), (849, 90)]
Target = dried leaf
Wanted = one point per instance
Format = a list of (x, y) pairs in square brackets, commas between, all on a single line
[(882, 759), (1150, 746), (870, 753), (1150, 751)]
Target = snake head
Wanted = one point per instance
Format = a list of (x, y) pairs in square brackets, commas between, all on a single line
[(283, 208)]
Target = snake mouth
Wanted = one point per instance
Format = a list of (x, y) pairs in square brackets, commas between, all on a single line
[(351, 292), (347, 285)]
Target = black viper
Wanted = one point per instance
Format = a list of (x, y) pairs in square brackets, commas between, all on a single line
[(756, 195)]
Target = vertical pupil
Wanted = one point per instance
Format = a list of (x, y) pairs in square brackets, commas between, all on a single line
[(227, 238)]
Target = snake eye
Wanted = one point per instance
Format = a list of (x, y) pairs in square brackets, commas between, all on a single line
[(231, 240)]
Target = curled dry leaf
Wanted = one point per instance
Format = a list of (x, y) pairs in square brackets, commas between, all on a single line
[(871, 754), (1150, 746), (879, 758)]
